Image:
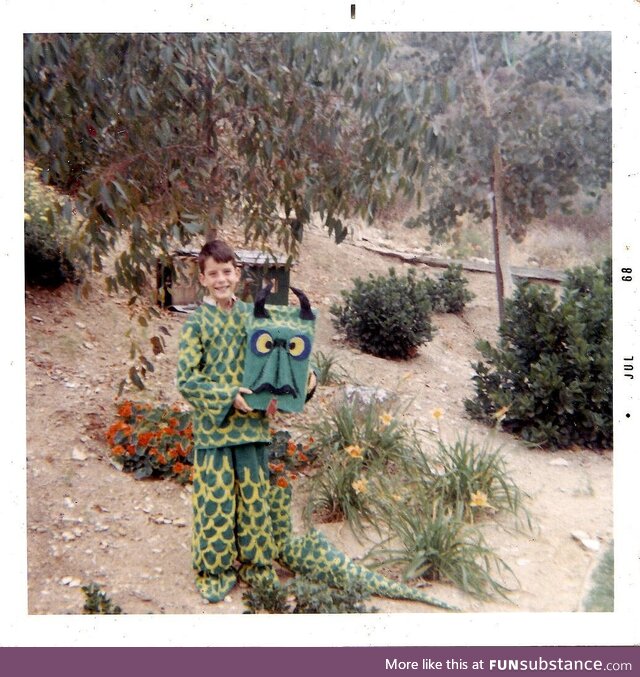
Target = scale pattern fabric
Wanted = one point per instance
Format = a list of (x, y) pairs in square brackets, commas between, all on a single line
[(278, 355), (231, 519), (210, 369), (313, 556)]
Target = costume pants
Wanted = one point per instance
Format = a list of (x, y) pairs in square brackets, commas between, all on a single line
[(231, 518)]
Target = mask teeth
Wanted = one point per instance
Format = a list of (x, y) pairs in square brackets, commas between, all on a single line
[(305, 307)]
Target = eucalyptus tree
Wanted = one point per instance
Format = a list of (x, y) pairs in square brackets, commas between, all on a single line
[(163, 136), (527, 119), (155, 139)]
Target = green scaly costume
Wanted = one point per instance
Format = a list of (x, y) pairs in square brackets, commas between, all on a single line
[(237, 515)]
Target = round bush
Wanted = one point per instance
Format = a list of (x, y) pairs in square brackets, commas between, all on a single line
[(387, 316)]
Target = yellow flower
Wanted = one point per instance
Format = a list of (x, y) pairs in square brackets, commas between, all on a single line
[(437, 413), (479, 500), (360, 486), (354, 451), (27, 217), (385, 419), (501, 413)]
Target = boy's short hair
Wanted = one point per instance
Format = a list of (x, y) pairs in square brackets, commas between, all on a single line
[(219, 251)]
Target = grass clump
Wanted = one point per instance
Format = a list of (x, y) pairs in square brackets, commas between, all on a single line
[(328, 371), (436, 544), (353, 443)]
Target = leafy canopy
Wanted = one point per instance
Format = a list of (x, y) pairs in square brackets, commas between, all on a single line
[(164, 136)]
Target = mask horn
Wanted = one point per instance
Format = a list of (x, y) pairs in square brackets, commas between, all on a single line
[(305, 307), (258, 304)]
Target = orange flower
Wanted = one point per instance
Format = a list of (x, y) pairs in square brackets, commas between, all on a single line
[(173, 452), (272, 431), (188, 431), (303, 457), (153, 451), (161, 459), (145, 438), (276, 467), (282, 482), (175, 408), (178, 467), (125, 410), (131, 450), (118, 450), (291, 448), (311, 440), (173, 422), (126, 429)]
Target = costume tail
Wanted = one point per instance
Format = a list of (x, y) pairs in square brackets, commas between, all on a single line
[(313, 556)]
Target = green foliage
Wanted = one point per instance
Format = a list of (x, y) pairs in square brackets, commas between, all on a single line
[(601, 595), (437, 544), (550, 379), (160, 136), (450, 293), (387, 316), (354, 443), (97, 601), (543, 99), (152, 441), (46, 235), (467, 479), (328, 371), (301, 596), (158, 442)]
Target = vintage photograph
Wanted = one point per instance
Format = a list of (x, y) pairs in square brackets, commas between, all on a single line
[(318, 322)]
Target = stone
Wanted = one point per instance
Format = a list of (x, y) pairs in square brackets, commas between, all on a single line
[(588, 543)]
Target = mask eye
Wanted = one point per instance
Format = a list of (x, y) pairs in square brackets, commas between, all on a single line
[(299, 347), (261, 343)]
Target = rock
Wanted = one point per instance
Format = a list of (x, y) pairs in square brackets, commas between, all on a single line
[(36, 318), (68, 502), (68, 536), (81, 325), (365, 395), (70, 582), (560, 462), (78, 454), (588, 543)]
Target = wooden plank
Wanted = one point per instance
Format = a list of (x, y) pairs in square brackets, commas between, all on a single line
[(543, 274)]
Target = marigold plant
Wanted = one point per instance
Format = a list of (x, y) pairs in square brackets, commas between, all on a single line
[(152, 441)]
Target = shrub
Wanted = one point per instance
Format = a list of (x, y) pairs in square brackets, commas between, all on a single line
[(97, 601), (152, 441), (550, 378), (387, 316), (288, 458), (46, 237), (450, 293)]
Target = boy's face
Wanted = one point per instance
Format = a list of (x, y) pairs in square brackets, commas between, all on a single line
[(220, 280)]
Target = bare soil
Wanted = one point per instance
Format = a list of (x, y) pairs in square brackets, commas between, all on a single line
[(87, 521)]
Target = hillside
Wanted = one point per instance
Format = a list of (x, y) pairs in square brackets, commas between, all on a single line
[(89, 522)]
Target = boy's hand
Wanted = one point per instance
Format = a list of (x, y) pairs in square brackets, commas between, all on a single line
[(240, 403)]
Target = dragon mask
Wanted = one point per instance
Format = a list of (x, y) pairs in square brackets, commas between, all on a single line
[(279, 342)]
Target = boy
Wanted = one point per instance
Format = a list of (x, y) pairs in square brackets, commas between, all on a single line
[(231, 476)]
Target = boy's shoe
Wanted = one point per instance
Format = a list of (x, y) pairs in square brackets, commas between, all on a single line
[(215, 587), (258, 575)]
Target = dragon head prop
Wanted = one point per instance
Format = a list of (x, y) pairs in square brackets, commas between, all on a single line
[(279, 343)]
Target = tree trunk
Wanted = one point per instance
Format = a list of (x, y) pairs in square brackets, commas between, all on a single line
[(504, 280)]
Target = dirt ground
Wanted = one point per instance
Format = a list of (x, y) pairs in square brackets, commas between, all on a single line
[(89, 522)]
